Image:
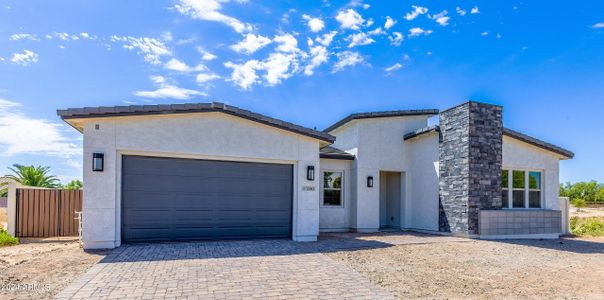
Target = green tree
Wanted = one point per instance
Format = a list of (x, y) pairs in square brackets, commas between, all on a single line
[(74, 185), (600, 194), (587, 191), (33, 176)]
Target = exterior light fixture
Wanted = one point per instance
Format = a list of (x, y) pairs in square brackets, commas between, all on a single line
[(369, 181), (97, 162), (310, 173)]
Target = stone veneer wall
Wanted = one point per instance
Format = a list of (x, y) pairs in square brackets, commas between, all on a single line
[(470, 156)]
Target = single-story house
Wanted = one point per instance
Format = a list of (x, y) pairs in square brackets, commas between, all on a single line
[(214, 171)]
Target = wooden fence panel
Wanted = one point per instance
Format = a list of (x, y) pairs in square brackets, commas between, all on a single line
[(47, 212)]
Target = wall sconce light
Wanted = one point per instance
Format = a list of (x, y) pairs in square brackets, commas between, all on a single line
[(370, 181), (97, 162), (310, 173)]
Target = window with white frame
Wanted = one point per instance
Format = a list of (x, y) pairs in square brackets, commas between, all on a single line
[(521, 189), (332, 188)]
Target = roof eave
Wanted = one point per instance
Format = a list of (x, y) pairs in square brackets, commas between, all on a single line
[(109, 112)]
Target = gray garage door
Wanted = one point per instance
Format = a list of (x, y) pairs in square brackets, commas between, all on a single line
[(166, 199)]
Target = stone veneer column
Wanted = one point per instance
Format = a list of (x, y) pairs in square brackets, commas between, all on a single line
[(470, 156)]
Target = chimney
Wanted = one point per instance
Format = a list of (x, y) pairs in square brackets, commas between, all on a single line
[(470, 156)]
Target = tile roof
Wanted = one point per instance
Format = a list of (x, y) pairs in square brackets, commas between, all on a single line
[(382, 114), (137, 110), (538, 143), (508, 132)]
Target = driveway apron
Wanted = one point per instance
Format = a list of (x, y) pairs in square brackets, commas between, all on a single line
[(261, 269)]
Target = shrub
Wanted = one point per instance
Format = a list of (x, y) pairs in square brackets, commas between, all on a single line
[(579, 203), (587, 226), (6, 239)]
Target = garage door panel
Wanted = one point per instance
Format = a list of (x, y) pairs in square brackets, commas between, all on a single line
[(181, 199), (256, 186), (202, 201), (142, 217), (199, 168)]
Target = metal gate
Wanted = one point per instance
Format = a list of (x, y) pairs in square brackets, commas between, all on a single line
[(47, 212)]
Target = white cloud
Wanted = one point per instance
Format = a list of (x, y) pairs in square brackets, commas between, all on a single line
[(25, 59), (152, 49), (319, 56), (358, 3), (475, 10), (206, 77), (377, 31), (347, 59), (23, 36), (20, 134), (396, 38), (393, 67), (87, 36), (4, 104), (315, 24), (460, 11), (417, 10), (417, 31), (166, 90), (498, 36), (359, 39), (287, 43), (441, 18), (244, 75), (326, 39), (389, 23), (598, 25), (64, 36), (278, 67), (350, 19), (369, 23), (484, 33), (205, 55), (251, 43), (209, 10), (179, 66)]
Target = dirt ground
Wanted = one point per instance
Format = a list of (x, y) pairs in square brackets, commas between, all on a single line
[(548, 269), (587, 212), (39, 269)]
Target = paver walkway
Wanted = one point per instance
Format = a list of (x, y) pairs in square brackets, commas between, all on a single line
[(261, 269)]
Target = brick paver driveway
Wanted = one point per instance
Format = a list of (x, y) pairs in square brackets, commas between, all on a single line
[(261, 269)]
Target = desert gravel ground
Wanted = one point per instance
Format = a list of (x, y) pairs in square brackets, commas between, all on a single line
[(519, 269), (44, 266)]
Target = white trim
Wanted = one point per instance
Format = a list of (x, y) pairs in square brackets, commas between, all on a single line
[(118, 169), (527, 189), (322, 188)]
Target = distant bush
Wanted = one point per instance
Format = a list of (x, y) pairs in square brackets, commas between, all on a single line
[(589, 191), (6, 239), (578, 203), (593, 227)]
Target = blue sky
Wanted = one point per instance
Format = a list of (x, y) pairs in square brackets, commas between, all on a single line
[(308, 62)]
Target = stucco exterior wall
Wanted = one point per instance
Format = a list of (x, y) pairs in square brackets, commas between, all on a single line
[(334, 218), (378, 145), (421, 211), (522, 156), (201, 136)]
